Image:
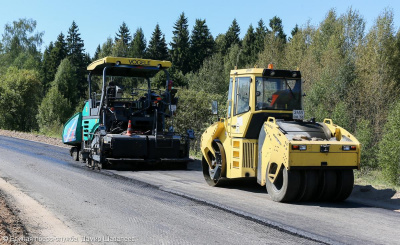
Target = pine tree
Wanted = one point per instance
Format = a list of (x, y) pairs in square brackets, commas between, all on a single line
[(180, 45), (87, 60), (58, 53), (60, 47), (138, 45), (232, 35), (277, 28), (52, 58), (201, 44), (122, 41), (123, 34), (294, 31), (46, 74), (75, 45), (164, 55), (97, 53), (157, 47), (248, 54), (260, 33), (76, 55)]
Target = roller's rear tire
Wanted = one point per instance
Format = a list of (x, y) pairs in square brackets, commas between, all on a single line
[(286, 186), (345, 183), (327, 185), (309, 185)]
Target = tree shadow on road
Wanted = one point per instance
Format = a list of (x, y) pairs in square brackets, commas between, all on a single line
[(364, 197), (381, 198)]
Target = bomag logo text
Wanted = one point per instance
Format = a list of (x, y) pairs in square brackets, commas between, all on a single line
[(139, 62)]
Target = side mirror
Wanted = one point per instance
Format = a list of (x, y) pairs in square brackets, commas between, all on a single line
[(214, 107)]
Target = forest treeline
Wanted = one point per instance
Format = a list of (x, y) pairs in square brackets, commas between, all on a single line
[(351, 74)]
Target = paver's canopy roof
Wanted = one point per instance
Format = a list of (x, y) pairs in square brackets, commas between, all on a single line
[(127, 67)]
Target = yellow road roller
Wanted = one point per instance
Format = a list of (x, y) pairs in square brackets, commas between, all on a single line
[(265, 137)]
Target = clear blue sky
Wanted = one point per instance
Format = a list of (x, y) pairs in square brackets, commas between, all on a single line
[(100, 19)]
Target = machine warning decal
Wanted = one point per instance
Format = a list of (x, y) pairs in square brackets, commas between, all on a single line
[(240, 121)]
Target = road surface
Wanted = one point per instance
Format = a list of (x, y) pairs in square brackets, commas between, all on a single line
[(171, 206)]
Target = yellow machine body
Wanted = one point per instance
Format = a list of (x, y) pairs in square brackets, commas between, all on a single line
[(255, 142)]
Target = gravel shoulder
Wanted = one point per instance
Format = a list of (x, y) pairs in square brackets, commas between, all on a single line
[(33, 137)]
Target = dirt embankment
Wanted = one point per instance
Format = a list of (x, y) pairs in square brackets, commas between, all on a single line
[(12, 230)]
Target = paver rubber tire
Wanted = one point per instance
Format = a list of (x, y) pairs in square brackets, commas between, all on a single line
[(75, 153)]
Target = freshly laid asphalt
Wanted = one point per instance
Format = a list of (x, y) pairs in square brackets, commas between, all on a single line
[(160, 206)]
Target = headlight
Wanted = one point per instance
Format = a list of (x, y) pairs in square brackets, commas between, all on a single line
[(299, 147), (349, 148)]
